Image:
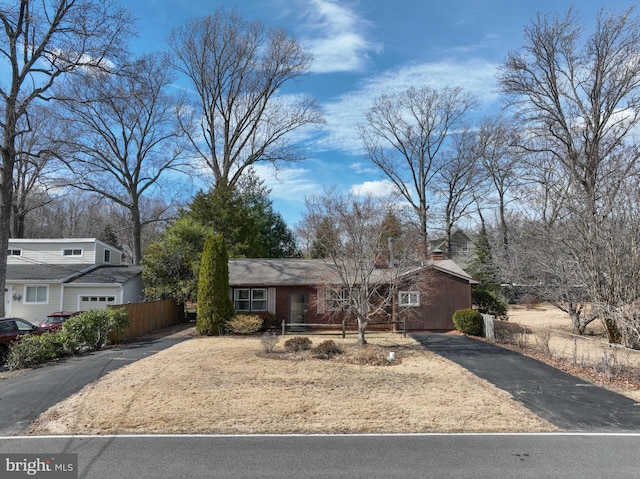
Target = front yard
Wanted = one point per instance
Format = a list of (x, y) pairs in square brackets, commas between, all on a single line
[(229, 386)]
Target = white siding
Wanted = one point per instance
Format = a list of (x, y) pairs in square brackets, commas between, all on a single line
[(34, 312), (50, 251)]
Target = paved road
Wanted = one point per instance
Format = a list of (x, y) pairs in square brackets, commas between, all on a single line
[(353, 457), (564, 400), (25, 396)]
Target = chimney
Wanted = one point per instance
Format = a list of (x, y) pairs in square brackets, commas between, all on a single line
[(437, 255)]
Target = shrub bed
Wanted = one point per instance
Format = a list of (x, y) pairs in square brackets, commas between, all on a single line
[(89, 331), (326, 349), (297, 344)]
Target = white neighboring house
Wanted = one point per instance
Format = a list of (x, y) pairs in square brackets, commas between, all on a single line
[(71, 274)]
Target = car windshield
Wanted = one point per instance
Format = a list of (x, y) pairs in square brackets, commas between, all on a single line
[(54, 319)]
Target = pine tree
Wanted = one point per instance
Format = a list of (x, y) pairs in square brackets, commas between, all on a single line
[(215, 307)]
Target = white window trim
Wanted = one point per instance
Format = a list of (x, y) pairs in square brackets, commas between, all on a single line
[(107, 252), (404, 299), (341, 299), (251, 300), (26, 297), (14, 252), (265, 300), (237, 299), (72, 252)]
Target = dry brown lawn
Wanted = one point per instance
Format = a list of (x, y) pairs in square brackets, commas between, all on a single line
[(228, 385)]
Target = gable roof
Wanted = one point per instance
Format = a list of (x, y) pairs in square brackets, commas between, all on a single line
[(305, 272), (281, 271), (68, 273)]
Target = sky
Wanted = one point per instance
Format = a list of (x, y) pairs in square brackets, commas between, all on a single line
[(362, 49)]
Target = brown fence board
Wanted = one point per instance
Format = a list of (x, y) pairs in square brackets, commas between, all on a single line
[(150, 316)]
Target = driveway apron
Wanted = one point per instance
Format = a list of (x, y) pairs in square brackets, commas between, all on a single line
[(566, 401)]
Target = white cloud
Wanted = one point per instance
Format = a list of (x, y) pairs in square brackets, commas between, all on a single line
[(382, 188), (292, 184), (336, 36), (346, 112), (360, 167)]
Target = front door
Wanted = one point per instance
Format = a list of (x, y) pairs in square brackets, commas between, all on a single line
[(297, 311)]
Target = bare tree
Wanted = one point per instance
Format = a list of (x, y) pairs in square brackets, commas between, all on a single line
[(577, 97), (40, 42), (122, 138), (502, 162), (406, 136), (458, 181), (33, 165), (237, 69), (354, 240)]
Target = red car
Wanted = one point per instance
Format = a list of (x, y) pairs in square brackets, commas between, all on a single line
[(54, 321), (11, 329)]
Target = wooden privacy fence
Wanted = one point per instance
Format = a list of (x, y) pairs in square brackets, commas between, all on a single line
[(149, 316)]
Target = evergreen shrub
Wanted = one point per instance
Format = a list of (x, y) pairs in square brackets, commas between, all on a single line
[(468, 321)]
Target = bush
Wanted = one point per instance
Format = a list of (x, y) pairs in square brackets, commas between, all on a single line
[(269, 342), (33, 350), (245, 324), (511, 333), (269, 320), (488, 302), (297, 344), (327, 349), (468, 321), (90, 330)]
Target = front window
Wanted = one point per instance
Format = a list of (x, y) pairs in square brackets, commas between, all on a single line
[(258, 300), (72, 252), (36, 294), (245, 299), (409, 298), (341, 299), (14, 252)]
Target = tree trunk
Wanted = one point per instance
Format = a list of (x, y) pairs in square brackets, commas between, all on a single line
[(6, 189), (137, 235)]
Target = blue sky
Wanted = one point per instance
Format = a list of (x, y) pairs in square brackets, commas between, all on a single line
[(363, 48)]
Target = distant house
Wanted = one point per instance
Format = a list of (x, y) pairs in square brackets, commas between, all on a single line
[(74, 274), (463, 248), (295, 291)]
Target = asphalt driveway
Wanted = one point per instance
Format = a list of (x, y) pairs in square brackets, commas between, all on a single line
[(566, 401), (25, 396)]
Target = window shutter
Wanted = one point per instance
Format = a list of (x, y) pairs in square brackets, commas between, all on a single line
[(321, 301), (271, 300)]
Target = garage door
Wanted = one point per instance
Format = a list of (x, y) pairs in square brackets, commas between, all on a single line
[(95, 302)]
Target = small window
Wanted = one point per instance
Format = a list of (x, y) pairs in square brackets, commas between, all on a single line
[(465, 247), (36, 294), (258, 300), (245, 299), (72, 252), (14, 252), (409, 298), (241, 299), (107, 256), (337, 299)]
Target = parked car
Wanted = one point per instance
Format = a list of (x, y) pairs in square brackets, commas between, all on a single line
[(54, 321), (11, 329)]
